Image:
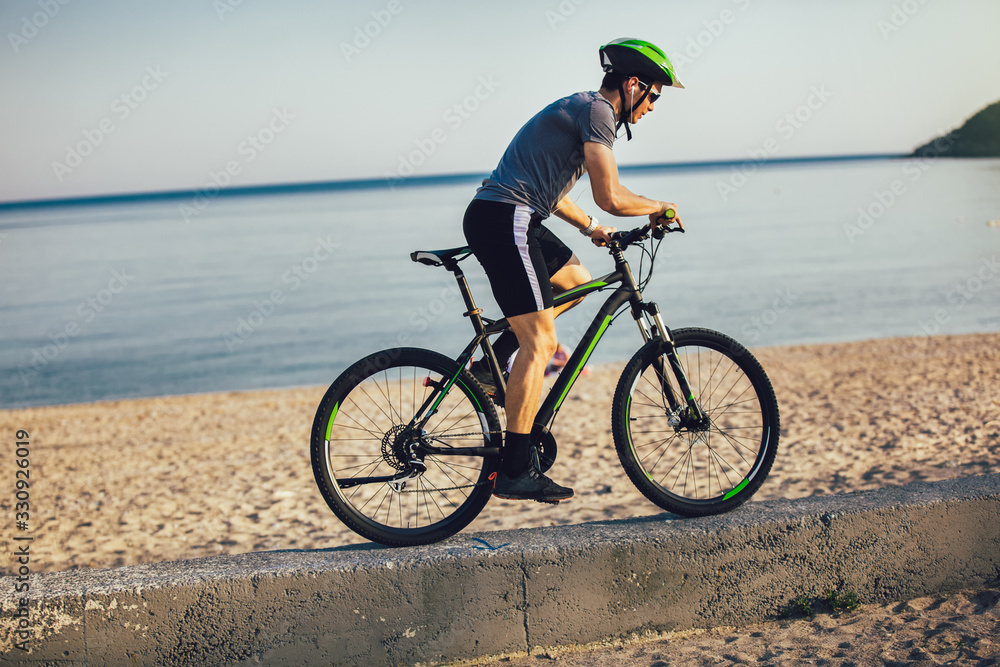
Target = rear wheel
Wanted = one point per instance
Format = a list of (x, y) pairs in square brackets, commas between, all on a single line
[(378, 473), (684, 465)]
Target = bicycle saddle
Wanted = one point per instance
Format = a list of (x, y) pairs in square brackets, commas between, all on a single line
[(440, 257)]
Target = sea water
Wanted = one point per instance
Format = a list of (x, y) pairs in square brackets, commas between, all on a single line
[(144, 298)]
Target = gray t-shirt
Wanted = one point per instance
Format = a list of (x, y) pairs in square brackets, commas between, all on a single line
[(545, 158)]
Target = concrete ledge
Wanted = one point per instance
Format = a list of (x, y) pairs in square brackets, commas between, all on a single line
[(544, 587)]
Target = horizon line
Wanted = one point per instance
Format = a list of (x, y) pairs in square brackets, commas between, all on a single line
[(392, 183)]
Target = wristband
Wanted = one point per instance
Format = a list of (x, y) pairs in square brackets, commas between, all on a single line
[(589, 230)]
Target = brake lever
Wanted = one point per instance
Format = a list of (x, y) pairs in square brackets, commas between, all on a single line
[(662, 230)]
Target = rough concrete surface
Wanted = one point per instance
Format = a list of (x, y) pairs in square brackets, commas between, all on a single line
[(541, 587)]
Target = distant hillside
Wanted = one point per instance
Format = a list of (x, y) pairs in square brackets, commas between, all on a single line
[(979, 137)]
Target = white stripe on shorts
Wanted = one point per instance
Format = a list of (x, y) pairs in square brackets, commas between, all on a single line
[(522, 219)]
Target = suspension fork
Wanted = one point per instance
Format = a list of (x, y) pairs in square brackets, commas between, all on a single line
[(668, 350)]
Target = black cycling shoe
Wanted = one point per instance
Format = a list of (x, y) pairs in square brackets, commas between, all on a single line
[(529, 485)]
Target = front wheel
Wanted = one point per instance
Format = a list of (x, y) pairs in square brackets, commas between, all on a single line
[(388, 474), (688, 466)]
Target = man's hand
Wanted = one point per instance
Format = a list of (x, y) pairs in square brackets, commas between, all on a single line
[(602, 235), (666, 216)]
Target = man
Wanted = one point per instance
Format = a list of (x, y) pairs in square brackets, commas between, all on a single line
[(525, 262)]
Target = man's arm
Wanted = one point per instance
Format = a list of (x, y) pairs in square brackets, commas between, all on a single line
[(567, 209), (610, 194)]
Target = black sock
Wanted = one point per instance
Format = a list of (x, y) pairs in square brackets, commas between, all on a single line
[(505, 346), (515, 453)]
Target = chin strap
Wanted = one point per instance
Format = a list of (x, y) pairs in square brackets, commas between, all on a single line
[(622, 115), (627, 113)]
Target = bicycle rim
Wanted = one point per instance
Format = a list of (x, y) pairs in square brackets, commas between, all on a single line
[(366, 425)]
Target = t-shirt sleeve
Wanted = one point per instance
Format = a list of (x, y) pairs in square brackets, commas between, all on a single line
[(599, 124)]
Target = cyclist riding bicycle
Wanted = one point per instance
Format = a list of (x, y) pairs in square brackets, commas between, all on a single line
[(525, 262)]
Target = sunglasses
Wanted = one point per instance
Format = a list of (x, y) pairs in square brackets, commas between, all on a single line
[(653, 95)]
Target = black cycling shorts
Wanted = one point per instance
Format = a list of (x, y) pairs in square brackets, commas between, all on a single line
[(518, 254)]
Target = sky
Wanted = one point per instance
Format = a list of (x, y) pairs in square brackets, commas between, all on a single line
[(121, 97)]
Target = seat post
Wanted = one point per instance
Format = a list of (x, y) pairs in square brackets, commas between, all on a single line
[(471, 311)]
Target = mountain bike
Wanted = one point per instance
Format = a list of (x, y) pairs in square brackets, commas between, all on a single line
[(405, 442)]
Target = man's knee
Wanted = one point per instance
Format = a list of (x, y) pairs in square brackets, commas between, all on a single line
[(581, 274), (540, 343), (573, 274), (569, 277), (548, 343)]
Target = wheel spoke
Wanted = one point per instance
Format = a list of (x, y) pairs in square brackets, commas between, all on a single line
[(377, 433)]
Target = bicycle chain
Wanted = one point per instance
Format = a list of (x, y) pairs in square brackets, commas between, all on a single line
[(465, 435), (448, 488)]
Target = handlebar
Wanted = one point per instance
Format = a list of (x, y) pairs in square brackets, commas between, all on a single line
[(624, 239)]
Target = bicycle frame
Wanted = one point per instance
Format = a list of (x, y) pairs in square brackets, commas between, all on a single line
[(627, 293)]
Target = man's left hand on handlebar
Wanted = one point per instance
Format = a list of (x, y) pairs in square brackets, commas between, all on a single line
[(602, 235), (666, 216)]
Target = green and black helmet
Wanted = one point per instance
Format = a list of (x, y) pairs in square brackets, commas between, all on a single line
[(635, 57)]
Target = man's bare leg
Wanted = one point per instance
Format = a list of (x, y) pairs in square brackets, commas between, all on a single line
[(536, 337), (536, 333)]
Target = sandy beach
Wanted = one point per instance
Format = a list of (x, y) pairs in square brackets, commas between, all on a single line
[(123, 482), (961, 629)]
